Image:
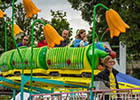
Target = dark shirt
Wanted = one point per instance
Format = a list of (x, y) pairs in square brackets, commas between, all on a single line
[(20, 44), (62, 44), (104, 76)]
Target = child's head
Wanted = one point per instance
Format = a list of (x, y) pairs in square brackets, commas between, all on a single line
[(81, 34)]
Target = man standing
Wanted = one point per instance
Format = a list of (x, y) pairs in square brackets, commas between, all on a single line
[(65, 34), (25, 41)]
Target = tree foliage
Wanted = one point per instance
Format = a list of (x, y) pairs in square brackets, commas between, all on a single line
[(4, 4), (3, 21), (128, 10), (58, 21), (23, 22)]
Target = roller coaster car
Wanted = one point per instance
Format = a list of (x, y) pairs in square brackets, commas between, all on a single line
[(62, 61)]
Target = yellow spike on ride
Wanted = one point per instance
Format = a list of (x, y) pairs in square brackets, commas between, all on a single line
[(17, 30), (51, 35), (113, 30), (115, 23), (50, 43), (30, 8), (56, 37), (1, 13)]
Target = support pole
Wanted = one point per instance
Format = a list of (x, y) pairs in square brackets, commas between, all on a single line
[(122, 57), (32, 42), (14, 94), (93, 41), (17, 45)]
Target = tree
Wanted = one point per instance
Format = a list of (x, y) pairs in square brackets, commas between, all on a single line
[(26, 23), (128, 10), (60, 23), (23, 22), (4, 4), (2, 32), (3, 21)]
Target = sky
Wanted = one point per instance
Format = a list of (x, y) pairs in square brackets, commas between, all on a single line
[(73, 16)]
